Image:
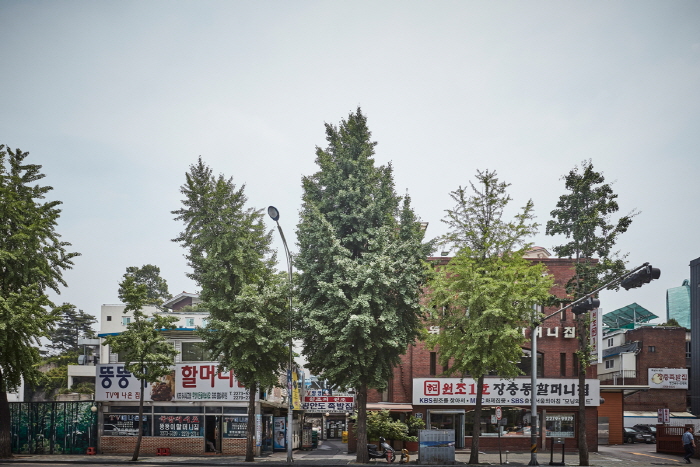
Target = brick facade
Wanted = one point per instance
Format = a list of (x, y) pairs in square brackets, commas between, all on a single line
[(558, 336), (660, 347), (178, 446)]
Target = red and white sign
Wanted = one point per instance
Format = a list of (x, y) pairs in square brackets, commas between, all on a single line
[(499, 413), (664, 416), (187, 382), (500, 392)]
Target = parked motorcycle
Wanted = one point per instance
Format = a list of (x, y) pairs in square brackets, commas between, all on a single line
[(387, 452)]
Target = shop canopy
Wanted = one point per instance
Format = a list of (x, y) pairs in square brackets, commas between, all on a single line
[(628, 317)]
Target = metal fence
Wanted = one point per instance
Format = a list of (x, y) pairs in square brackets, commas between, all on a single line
[(52, 427)]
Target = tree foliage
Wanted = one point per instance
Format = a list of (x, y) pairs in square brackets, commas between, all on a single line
[(232, 261), (484, 295), (360, 253), (72, 325), (156, 286), (32, 260), (584, 216), (148, 356)]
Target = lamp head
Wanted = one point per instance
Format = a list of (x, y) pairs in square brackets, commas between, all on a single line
[(273, 213)]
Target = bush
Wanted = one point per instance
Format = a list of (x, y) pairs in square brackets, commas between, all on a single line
[(380, 424)]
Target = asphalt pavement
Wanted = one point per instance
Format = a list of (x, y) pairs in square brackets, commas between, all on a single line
[(333, 453)]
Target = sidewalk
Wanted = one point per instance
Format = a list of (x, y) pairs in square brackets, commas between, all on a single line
[(329, 453)]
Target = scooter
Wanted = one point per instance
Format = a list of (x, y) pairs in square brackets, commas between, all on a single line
[(387, 452)]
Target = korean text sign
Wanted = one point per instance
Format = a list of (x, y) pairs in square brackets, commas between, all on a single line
[(187, 382), (504, 392), (668, 378)]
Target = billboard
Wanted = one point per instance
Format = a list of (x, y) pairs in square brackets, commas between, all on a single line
[(497, 391), (186, 382), (668, 378)]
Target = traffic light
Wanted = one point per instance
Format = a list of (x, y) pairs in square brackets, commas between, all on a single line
[(641, 277), (585, 306)]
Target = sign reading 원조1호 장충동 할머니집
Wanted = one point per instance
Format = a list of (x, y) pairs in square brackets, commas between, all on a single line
[(497, 391), (187, 382)]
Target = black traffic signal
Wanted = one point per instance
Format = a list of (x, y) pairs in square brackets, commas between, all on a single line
[(641, 277), (585, 306)]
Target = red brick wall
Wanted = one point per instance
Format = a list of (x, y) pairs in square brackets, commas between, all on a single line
[(669, 346), (178, 446)]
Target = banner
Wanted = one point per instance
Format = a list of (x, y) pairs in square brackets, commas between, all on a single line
[(186, 382), (668, 378), (497, 391)]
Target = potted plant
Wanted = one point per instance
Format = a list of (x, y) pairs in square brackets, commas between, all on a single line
[(413, 424)]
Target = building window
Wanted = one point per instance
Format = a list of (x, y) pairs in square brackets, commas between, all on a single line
[(562, 364), (433, 363), (687, 349), (126, 320), (610, 342), (109, 318), (204, 322), (563, 315), (194, 352), (575, 365), (189, 322), (609, 364), (652, 348)]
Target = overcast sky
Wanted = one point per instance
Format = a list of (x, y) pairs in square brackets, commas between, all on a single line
[(117, 98)]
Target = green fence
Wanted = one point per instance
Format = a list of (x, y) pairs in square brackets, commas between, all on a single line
[(53, 427)]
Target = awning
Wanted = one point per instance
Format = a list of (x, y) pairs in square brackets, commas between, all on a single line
[(391, 407)]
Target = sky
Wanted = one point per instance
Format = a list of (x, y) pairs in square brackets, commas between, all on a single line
[(116, 99)]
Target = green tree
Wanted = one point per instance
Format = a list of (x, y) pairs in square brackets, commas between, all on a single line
[(233, 263), (360, 253), (482, 297), (584, 217), (149, 275), (147, 354), (73, 325), (32, 260)]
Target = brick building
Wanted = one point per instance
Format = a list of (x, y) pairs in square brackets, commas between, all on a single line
[(557, 372)]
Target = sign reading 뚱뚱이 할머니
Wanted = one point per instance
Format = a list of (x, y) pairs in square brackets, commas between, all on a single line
[(503, 392), (197, 381)]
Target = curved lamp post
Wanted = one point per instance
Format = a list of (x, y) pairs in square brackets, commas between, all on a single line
[(275, 215)]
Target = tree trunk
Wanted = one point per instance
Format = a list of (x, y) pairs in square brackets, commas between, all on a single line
[(361, 397), (138, 439), (5, 423), (250, 427), (583, 365), (476, 430)]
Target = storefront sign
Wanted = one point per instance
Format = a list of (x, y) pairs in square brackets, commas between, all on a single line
[(187, 382), (668, 378), (318, 402), (497, 391), (178, 426)]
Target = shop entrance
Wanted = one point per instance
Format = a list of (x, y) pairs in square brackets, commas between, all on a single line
[(212, 433), (448, 420), (334, 429)]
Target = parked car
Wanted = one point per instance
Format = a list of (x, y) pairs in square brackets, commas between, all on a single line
[(632, 435), (651, 429)]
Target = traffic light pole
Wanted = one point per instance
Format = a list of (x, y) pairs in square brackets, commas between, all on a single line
[(533, 354)]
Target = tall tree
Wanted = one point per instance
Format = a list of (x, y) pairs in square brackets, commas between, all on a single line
[(156, 286), (489, 279), (32, 260), (360, 253), (233, 263), (148, 356), (73, 325), (584, 217)]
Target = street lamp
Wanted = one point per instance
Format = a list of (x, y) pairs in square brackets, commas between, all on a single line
[(275, 215)]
